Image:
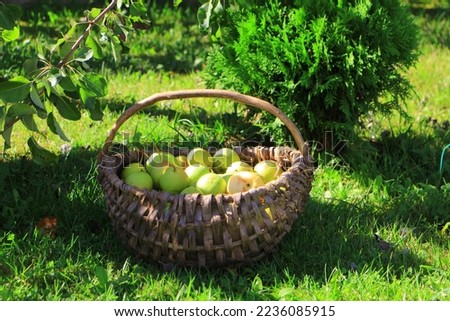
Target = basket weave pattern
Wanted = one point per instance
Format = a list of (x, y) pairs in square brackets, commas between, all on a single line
[(206, 230)]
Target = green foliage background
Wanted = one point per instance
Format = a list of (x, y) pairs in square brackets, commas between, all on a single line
[(324, 63)]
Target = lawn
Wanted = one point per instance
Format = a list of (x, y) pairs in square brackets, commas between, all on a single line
[(383, 184)]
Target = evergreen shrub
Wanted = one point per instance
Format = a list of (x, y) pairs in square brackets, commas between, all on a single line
[(325, 63)]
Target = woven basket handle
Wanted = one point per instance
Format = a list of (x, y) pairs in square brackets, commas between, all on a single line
[(213, 93)]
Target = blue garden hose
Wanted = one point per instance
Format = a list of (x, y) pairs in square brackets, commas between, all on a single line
[(441, 166)]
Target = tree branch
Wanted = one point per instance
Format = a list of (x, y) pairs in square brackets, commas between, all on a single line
[(86, 32)]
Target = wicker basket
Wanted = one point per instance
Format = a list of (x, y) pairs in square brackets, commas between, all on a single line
[(207, 230)]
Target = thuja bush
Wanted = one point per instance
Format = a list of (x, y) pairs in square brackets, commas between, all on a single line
[(325, 63)]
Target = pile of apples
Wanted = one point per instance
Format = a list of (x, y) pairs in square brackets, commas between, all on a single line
[(199, 172)]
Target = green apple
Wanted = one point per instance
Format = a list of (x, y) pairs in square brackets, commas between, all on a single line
[(199, 156), (190, 190), (157, 158), (243, 181), (194, 172), (239, 166), (156, 171), (182, 161), (212, 183), (140, 180), (268, 169), (172, 159), (131, 168), (223, 158), (174, 180)]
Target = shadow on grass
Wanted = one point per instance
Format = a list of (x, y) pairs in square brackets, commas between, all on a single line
[(67, 191), (407, 158), (335, 236)]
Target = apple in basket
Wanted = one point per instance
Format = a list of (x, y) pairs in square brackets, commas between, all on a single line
[(194, 172), (140, 180), (191, 190), (223, 158), (156, 170), (199, 156), (239, 166), (212, 183), (268, 169), (131, 168), (159, 158), (182, 161), (243, 181), (174, 180)]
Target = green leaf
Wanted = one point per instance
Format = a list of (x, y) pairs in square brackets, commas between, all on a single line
[(95, 84), (19, 110), (34, 95), (11, 35), (102, 275), (95, 113), (87, 97), (92, 105), (138, 9), (2, 116), (72, 94), (93, 43), (67, 84), (7, 137), (58, 43), (30, 65), (6, 18), (66, 47), (120, 31), (207, 13), (40, 155), (116, 49), (66, 108), (55, 128), (204, 15), (95, 12), (15, 89), (48, 88), (29, 123), (83, 54)]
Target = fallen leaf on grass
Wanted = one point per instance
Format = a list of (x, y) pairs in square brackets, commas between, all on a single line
[(48, 226)]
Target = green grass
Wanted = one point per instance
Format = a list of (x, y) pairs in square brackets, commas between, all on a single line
[(385, 181)]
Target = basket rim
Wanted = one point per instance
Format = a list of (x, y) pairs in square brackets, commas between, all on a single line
[(299, 161)]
